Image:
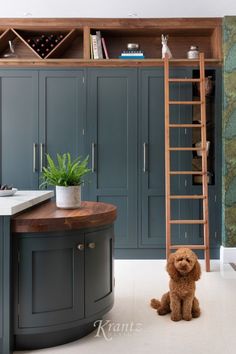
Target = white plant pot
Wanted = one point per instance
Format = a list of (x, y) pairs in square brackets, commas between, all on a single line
[(68, 197)]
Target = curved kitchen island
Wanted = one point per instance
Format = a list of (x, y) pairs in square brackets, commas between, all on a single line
[(62, 272)]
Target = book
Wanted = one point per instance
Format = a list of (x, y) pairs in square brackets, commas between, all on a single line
[(99, 44), (105, 48), (95, 46), (91, 47), (131, 57), (132, 54)]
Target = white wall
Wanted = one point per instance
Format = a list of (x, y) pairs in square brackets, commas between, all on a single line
[(115, 8)]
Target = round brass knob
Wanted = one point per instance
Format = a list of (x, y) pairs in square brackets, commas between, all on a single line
[(80, 246), (92, 245)]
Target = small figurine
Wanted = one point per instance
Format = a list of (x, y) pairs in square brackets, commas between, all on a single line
[(165, 48)]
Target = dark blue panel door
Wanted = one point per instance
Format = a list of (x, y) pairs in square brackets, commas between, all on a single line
[(61, 112), (152, 155), (99, 275), (51, 278), (19, 119), (112, 145)]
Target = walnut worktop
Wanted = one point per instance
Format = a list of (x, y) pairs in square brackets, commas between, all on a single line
[(47, 217)]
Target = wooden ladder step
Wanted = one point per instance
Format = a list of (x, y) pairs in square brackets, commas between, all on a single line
[(199, 173), (193, 247), (186, 149), (187, 196), (186, 125), (188, 222), (186, 102), (184, 80)]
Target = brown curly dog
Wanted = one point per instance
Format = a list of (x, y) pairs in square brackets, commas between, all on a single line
[(184, 269)]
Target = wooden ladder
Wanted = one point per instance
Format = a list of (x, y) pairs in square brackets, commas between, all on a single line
[(203, 172)]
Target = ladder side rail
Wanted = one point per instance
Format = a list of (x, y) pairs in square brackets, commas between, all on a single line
[(204, 162), (167, 155)]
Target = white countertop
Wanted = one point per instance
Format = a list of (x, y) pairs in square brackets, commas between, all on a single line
[(22, 200)]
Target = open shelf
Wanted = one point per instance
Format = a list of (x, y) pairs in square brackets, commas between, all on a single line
[(70, 48), (21, 50), (149, 41), (73, 49)]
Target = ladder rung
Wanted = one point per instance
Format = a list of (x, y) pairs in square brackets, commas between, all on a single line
[(186, 102), (193, 247), (186, 149), (184, 80), (187, 221), (200, 173), (186, 125), (187, 197)]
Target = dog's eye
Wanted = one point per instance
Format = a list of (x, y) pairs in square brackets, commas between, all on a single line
[(180, 259), (187, 260)]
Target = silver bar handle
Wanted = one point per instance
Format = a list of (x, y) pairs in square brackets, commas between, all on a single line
[(34, 157), (93, 157), (145, 149), (41, 157)]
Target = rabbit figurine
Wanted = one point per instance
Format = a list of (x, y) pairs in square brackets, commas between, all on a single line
[(165, 48)]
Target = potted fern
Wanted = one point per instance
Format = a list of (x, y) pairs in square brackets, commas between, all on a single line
[(66, 175)]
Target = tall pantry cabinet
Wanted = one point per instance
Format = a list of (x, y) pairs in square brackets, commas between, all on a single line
[(116, 116), (41, 112)]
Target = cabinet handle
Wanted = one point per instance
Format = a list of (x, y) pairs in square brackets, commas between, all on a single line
[(93, 157), (41, 157), (145, 157), (34, 157), (92, 245), (80, 246)]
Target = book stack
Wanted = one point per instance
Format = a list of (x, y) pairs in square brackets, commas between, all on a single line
[(98, 47), (132, 54)]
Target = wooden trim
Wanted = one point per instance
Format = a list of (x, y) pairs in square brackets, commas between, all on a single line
[(86, 43), (99, 62)]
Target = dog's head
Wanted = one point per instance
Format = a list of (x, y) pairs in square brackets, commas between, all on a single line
[(183, 263)]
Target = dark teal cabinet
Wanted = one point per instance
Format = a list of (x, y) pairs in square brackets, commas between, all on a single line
[(152, 156), (61, 112), (41, 112), (116, 116), (51, 280), (99, 270), (19, 127), (63, 282), (112, 146)]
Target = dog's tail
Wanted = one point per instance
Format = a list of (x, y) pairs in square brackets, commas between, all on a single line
[(155, 304)]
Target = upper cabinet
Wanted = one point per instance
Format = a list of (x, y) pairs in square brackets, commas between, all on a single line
[(100, 42)]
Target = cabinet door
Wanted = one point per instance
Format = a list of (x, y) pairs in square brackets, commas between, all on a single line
[(61, 112), (51, 279), (152, 156), (112, 145), (19, 128), (99, 275)]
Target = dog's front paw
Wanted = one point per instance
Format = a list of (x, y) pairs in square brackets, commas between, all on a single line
[(176, 318), (187, 317)]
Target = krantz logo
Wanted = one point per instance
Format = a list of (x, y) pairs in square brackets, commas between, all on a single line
[(107, 329)]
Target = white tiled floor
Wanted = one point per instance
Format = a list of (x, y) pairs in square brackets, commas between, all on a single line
[(147, 333)]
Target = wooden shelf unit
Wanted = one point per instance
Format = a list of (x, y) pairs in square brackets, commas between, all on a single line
[(74, 48)]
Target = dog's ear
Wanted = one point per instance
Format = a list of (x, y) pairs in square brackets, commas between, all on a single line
[(196, 271), (174, 274)]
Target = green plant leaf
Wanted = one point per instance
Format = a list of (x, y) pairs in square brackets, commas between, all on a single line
[(66, 172)]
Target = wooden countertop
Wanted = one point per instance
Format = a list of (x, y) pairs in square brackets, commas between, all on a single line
[(47, 217)]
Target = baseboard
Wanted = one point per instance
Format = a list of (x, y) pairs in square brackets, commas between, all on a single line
[(227, 254), (156, 253)]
